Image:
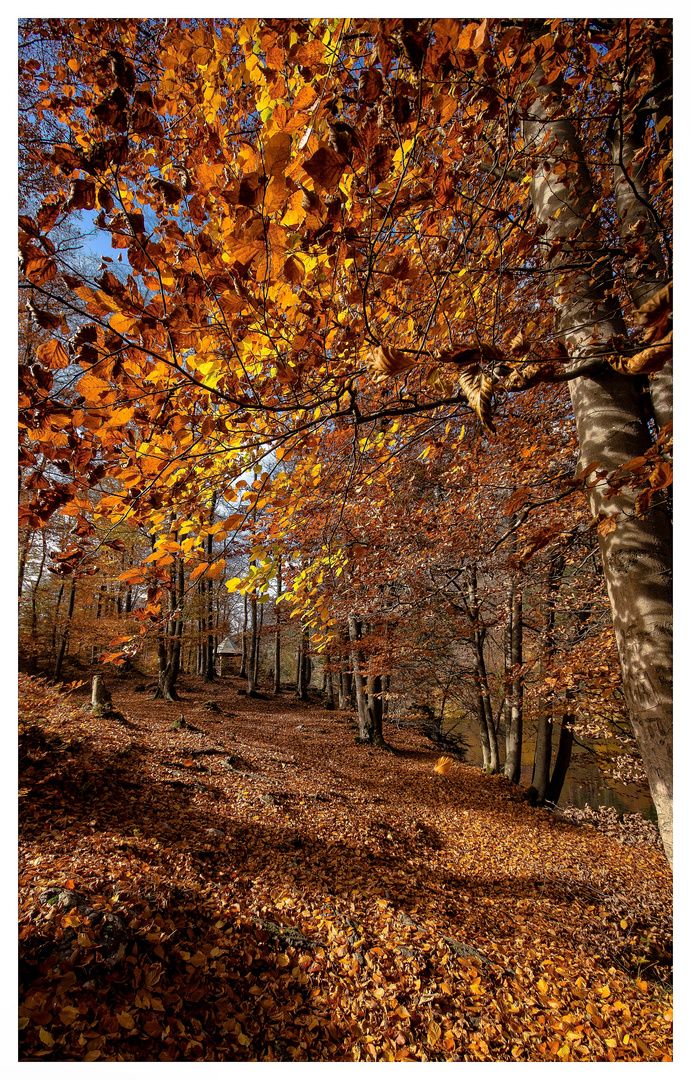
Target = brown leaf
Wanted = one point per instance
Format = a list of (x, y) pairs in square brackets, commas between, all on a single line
[(383, 363), (293, 270), (277, 154), (370, 85), (325, 167), (170, 192)]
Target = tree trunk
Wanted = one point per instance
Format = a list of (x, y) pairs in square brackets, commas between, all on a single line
[(358, 662), (303, 673), (345, 690), (252, 658), (64, 637), (243, 659), (329, 703), (543, 742), (612, 430), (208, 651), (486, 726), (277, 636), (374, 708), (563, 759), (258, 647), (23, 553), (514, 730), (169, 652), (644, 276)]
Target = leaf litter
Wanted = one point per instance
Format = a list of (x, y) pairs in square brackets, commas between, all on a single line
[(255, 886)]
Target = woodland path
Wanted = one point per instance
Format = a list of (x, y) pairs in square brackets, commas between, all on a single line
[(287, 894)]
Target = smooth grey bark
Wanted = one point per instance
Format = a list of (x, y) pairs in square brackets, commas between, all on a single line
[(304, 667), (243, 659), (34, 592), (252, 657), (483, 706), (170, 651), (258, 648), (23, 555), (514, 727), (358, 662), (611, 426), (277, 635), (646, 268)]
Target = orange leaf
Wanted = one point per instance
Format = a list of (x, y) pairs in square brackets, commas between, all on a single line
[(52, 354)]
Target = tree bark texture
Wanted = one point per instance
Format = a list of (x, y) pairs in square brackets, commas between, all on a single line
[(514, 730), (612, 430), (64, 637), (243, 659), (358, 662), (543, 742), (645, 274), (277, 635), (486, 726)]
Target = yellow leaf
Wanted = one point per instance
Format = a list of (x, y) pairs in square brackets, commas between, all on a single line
[(282, 960), (69, 1014), (125, 1020), (604, 991), (542, 986), (46, 1037), (198, 570), (402, 1012), (121, 324), (244, 1040), (23, 1022), (433, 1033)]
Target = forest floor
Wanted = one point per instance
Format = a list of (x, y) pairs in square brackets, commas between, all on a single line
[(255, 886)]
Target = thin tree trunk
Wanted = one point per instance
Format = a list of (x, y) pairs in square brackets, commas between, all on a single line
[(303, 672), (23, 554), (34, 591), (208, 650), (543, 742), (277, 636), (612, 430), (358, 662), (486, 727), (257, 651), (514, 733), (345, 691), (563, 759), (243, 659), (64, 638), (374, 707), (252, 658), (329, 703), (55, 621), (169, 652)]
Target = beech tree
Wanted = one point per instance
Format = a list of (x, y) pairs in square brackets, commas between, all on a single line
[(336, 242)]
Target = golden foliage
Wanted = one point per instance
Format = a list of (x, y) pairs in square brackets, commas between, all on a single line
[(383, 363)]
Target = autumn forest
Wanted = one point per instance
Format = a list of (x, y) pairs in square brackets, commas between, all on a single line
[(345, 503)]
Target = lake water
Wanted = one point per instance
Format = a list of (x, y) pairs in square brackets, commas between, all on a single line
[(584, 782)]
